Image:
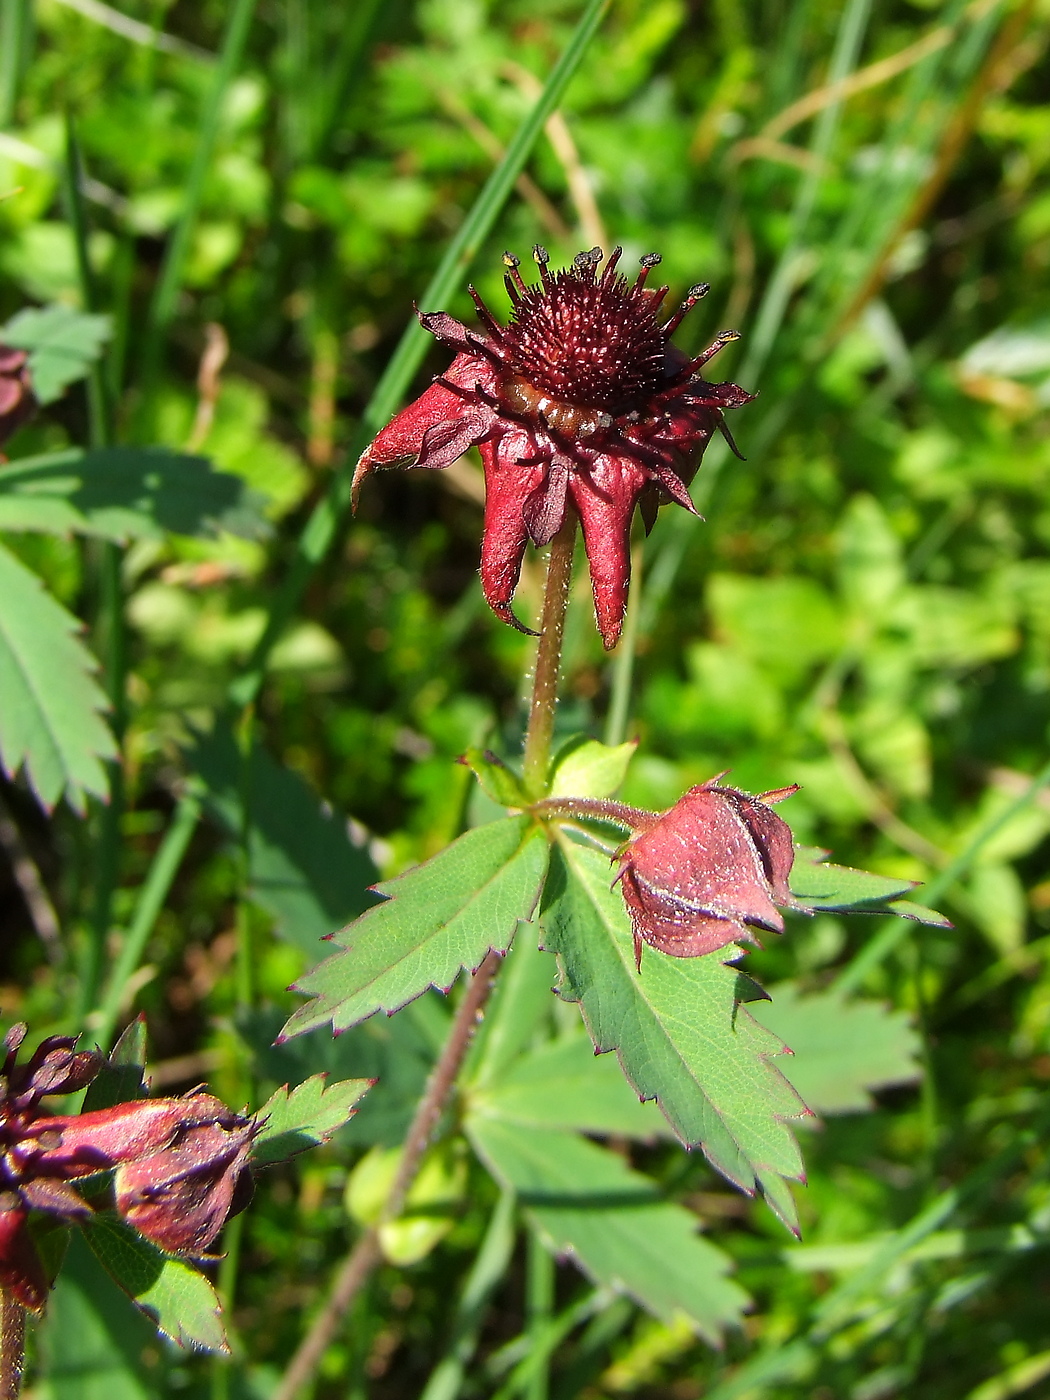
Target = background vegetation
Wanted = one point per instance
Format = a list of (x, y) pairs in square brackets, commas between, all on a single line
[(266, 189)]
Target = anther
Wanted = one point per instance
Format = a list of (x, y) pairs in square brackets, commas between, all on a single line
[(725, 338), (542, 259), (513, 281), (647, 263)]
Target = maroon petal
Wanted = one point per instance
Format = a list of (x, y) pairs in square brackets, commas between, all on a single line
[(544, 509), (442, 406), (605, 498), (446, 442), (507, 487), (55, 1197)]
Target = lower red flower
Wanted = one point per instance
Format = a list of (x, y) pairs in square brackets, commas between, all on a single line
[(181, 1164)]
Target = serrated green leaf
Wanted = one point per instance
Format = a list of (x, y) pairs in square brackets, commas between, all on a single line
[(120, 1078), (501, 783), (294, 1120), (63, 344), (306, 869), (439, 918), (820, 886), (842, 1048), (585, 768), (178, 1298), (678, 1027), (564, 1084), (585, 1201), (123, 493), (50, 704)]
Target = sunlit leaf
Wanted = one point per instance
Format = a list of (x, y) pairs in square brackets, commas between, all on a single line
[(439, 918), (820, 886), (842, 1048), (50, 703), (679, 1029), (178, 1298), (294, 1120), (63, 344)]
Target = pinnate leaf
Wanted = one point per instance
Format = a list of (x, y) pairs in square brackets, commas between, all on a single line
[(177, 1296), (437, 919), (819, 886), (294, 1120), (585, 1201), (49, 699), (63, 344), (679, 1029), (127, 493), (842, 1048)]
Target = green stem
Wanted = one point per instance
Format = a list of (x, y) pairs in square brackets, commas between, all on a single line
[(14, 30), (151, 899), (110, 634), (367, 1252), (539, 1301), (169, 283), (12, 1345), (540, 731)]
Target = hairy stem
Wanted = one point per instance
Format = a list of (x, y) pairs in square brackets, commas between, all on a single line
[(366, 1253), (12, 1345), (548, 659)]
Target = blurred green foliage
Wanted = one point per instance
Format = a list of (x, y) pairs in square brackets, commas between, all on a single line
[(866, 610)]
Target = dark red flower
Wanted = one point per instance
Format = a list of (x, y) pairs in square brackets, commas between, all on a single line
[(180, 1198), (708, 871), (16, 391), (180, 1163), (581, 402)]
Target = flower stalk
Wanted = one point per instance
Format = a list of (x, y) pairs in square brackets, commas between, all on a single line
[(12, 1345), (544, 701)]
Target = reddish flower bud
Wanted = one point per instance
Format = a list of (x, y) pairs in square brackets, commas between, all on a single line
[(708, 871), (181, 1197), (181, 1164), (580, 404), (17, 403)]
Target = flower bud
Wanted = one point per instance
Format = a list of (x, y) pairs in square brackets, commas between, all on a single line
[(181, 1196), (708, 871)]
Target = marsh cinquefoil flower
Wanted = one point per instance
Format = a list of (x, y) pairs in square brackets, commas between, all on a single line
[(180, 1164), (582, 403)]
